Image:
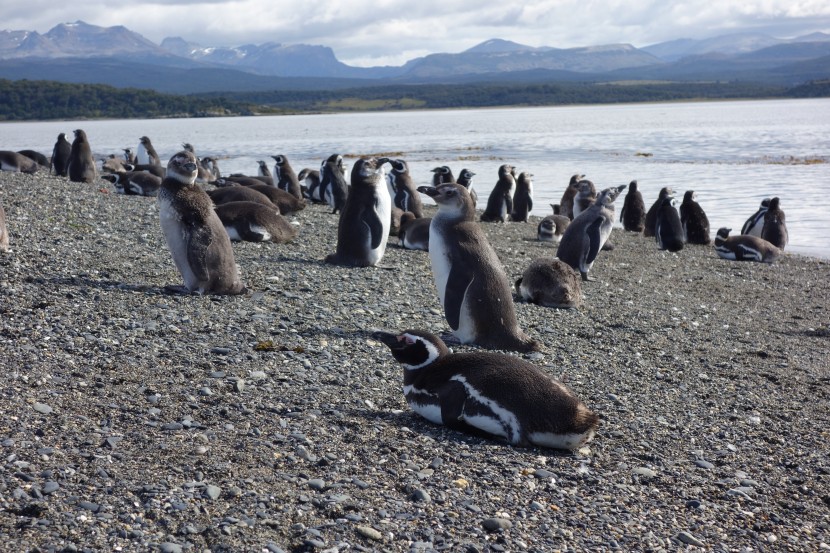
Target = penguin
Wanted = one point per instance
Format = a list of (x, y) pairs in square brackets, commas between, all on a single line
[(552, 227), (264, 171), (744, 247), (81, 164), (755, 224), (310, 184), (363, 227), (406, 195), (668, 230), (488, 393), (585, 236), (4, 232), (253, 222), (633, 212), (472, 286), (129, 156), (145, 153), (774, 230), (135, 183), (205, 176), (523, 198), (651, 215), (465, 179), (211, 164), (157, 170), (333, 186), (16, 163), (37, 157), (285, 201), (586, 195), (566, 204), (500, 203), (246, 180), (60, 155), (285, 177), (240, 194), (441, 175), (414, 232), (550, 282), (694, 220), (195, 236)]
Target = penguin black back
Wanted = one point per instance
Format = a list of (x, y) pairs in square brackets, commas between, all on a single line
[(633, 213), (694, 220), (60, 155), (523, 198), (774, 230), (668, 230), (651, 215)]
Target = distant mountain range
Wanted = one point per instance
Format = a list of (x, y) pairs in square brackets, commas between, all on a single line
[(80, 52)]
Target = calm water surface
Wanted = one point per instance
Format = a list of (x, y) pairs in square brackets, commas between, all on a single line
[(733, 154)]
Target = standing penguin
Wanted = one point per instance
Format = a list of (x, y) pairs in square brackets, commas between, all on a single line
[(285, 177), (500, 203), (441, 175), (489, 393), (333, 186), (633, 213), (363, 228), (755, 224), (694, 220), (406, 195), (81, 164), (586, 195), (465, 179), (585, 236), (566, 204), (523, 198), (552, 227), (744, 247), (472, 286), (775, 226), (60, 155), (651, 215), (129, 156), (195, 236), (146, 153), (668, 230)]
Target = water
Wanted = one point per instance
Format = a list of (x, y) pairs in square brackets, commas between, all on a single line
[(733, 154)]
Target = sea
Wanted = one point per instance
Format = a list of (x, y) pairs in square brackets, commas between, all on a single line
[(733, 154)]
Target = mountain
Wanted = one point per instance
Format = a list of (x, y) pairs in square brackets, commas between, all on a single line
[(731, 44)]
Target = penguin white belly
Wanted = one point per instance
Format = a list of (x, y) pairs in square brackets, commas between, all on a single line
[(560, 441), (430, 411), (440, 262), (141, 155), (466, 331), (383, 208), (171, 226), (726, 253)]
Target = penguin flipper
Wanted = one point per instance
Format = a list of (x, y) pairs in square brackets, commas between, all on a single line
[(529, 204), (594, 238), (458, 281), (373, 222), (198, 242)]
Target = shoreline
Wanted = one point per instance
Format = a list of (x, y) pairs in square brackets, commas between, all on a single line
[(144, 421)]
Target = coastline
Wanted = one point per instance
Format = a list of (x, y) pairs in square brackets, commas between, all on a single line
[(137, 419)]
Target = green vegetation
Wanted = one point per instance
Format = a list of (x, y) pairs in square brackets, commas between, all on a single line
[(41, 100)]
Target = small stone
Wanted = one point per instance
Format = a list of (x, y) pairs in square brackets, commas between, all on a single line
[(239, 385), (496, 523), (50, 487), (172, 426), (168, 547), (421, 496), (701, 463), (213, 492), (543, 474), (689, 539), (316, 484), (370, 533), (220, 351), (42, 408), (644, 472)]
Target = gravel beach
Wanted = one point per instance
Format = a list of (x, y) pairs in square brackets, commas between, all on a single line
[(136, 420)]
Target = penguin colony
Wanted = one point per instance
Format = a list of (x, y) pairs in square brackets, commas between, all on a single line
[(486, 393)]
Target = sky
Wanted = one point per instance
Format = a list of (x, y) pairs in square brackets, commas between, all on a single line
[(391, 32)]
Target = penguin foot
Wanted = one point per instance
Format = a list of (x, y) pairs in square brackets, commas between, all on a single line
[(177, 289), (586, 278), (450, 339)]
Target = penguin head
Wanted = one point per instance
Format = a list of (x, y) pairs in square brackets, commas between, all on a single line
[(586, 189), (607, 196), (414, 349), (452, 199), (689, 196), (80, 134), (632, 186), (189, 147), (665, 192), (279, 159), (466, 176), (574, 182), (507, 169), (182, 167), (765, 203), (399, 166), (723, 232), (144, 140), (367, 170), (774, 204)]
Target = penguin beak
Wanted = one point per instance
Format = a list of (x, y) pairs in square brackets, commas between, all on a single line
[(430, 191), (621, 188), (189, 166), (391, 340), (382, 161)]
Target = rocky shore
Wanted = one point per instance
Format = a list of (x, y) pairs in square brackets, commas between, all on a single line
[(135, 420)]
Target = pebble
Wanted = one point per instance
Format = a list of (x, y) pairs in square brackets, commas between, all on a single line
[(370, 533), (169, 547), (496, 523), (50, 487), (316, 484), (213, 492), (644, 472), (42, 408), (420, 495), (704, 464), (689, 539)]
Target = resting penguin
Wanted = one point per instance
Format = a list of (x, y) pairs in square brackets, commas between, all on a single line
[(550, 282), (465, 179), (651, 215), (755, 224), (774, 230), (472, 286), (441, 175), (523, 198), (195, 236), (60, 155), (488, 393), (500, 203), (566, 204), (16, 163), (4, 232), (134, 183), (253, 222), (414, 232), (694, 220), (241, 193), (146, 153), (406, 194), (586, 195), (586, 234), (633, 213), (37, 157), (744, 247), (310, 184), (333, 186), (668, 230), (81, 164), (285, 177), (363, 228), (552, 227)]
